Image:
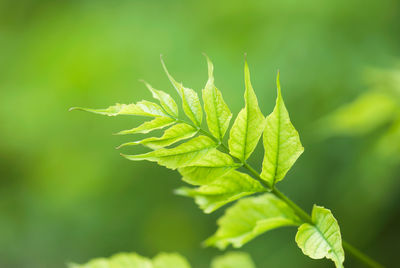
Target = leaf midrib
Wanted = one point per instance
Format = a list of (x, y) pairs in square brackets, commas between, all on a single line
[(213, 91), (326, 240), (278, 138)]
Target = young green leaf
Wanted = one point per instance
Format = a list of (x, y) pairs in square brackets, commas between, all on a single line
[(146, 127), (120, 260), (143, 108), (281, 142), (172, 135), (181, 156), (233, 260), (249, 124), (322, 238), (166, 260), (222, 190), (170, 260), (167, 102), (218, 114), (208, 168), (133, 260), (190, 100), (251, 217)]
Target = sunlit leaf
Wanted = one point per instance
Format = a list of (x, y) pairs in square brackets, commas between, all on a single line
[(190, 100), (170, 260), (172, 135), (146, 127), (222, 190), (249, 124), (208, 168), (233, 260), (251, 217), (181, 156), (167, 102), (133, 260), (321, 239), (281, 142), (217, 112), (121, 260), (143, 108)]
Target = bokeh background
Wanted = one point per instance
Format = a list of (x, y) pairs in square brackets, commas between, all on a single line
[(67, 195)]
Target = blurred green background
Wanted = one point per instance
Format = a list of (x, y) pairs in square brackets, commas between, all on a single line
[(67, 195)]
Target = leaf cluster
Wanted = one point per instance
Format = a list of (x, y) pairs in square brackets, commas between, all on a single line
[(218, 174), (166, 260)]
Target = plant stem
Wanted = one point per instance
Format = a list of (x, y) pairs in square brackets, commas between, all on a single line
[(361, 256), (369, 262)]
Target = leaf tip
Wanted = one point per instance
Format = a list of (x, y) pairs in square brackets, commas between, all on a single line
[(210, 67), (163, 64), (74, 109), (180, 191), (278, 83)]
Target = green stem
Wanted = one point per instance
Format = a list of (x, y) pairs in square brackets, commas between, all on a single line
[(369, 262), (361, 256), (299, 211)]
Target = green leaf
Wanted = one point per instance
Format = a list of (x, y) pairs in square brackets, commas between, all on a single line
[(172, 135), (249, 124), (208, 168), (146, 127), (120, 260), (388, 145), (217, 112), (190, 100), (143, 108), (167, 102), (369, 111), (322, 238), (233, 260), (133, 260), (222, 190), (181, 156), (170, 260), (251, 217), (281, 142)]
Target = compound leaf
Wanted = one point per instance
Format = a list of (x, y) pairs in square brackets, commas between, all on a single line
[(249, 124), (322, 238), (146, 127), (222, 190), (251, 217), (190, 100), (281, 142), (143, 108), (218, 114), (166, 101), (172, 135), (183, 155), (233, 260)]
